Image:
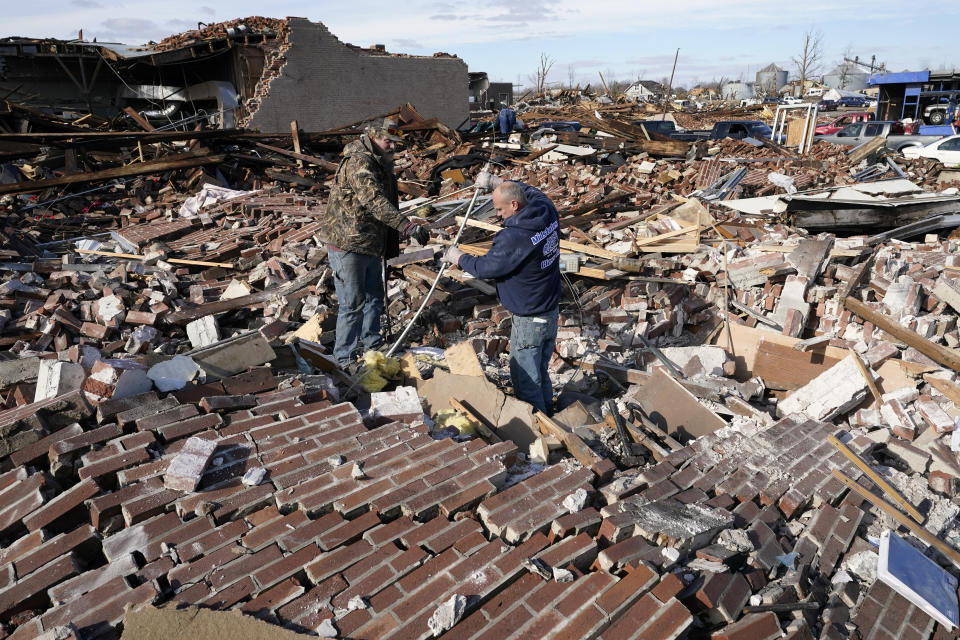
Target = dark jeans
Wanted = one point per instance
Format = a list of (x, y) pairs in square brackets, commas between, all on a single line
[(532, 339), (359, 283)]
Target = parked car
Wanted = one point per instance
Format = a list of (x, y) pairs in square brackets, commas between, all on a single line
[(791, 100), (772, 100), (828, 105), (946, 150), (736, 129), (836, 124), (859, 132), (852, 101)]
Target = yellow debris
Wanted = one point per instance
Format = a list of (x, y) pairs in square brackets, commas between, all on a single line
[(451, 418), (378, 369)]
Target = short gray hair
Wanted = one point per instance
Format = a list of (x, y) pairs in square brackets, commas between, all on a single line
[(513, 191)]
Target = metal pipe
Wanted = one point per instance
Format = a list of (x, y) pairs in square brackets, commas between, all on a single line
[(436, 280)]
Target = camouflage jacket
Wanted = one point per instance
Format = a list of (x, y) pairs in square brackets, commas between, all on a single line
[(362, 208)]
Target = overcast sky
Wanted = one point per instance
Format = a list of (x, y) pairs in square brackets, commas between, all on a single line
[(623, 39)]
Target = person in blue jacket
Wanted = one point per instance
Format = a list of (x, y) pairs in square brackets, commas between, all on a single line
[(506, 121), (524, 262)]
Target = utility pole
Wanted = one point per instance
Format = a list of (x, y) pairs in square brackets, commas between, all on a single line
[(670, 85)]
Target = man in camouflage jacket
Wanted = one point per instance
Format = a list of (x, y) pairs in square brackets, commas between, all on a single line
[(361, 216)]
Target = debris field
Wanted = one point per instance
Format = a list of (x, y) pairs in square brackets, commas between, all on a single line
[(757, 392)]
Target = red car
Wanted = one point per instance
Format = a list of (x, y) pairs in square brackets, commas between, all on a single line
[(836, 124)]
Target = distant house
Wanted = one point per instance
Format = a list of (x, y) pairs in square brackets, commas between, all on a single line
[(643, 89)]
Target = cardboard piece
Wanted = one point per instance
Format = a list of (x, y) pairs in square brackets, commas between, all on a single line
[(462, 360), (149, 623), (512, 419)]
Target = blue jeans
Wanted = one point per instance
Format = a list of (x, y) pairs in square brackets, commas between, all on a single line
[(532, 339), (359, 283)]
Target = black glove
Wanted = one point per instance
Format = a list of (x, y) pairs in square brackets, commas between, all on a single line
[(418, 232)]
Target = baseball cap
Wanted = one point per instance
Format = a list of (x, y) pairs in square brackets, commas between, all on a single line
[(386, 129)]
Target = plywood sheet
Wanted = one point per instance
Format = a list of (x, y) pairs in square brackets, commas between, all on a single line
[(783, 367), (746, 342), (674, 409)]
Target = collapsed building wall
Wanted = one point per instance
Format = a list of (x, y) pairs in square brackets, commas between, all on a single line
[(326, 83)]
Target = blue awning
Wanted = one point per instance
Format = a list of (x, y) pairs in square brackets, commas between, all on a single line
[(902, 77)]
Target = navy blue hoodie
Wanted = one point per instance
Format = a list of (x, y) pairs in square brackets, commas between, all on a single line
[(524, 258)]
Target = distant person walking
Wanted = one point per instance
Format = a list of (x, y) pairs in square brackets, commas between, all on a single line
[(506, 121)]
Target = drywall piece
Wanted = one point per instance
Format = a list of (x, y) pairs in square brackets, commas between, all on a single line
[(918, 579), (203, 332), (56, 378), (839, 388)]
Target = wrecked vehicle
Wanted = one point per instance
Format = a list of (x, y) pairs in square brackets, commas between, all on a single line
[(859, 132), (736, 129)]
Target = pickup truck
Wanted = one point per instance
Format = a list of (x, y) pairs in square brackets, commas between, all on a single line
[(736, 129), (859, 132), (836, 124)]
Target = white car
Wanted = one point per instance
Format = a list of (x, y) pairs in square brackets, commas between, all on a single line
[(792, 100), (946, 150)]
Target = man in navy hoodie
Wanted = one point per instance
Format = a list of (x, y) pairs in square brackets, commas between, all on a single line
[(524, 263)]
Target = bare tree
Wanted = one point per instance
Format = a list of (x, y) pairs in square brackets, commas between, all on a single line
[(539, 79), (810, 57), (844, 67), (571, 76)]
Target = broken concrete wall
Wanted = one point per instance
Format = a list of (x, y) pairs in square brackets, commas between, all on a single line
[(326, 84)]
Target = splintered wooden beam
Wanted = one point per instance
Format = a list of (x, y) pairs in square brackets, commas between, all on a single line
[(943, 355), (868, 377), (879, 481), (220, 306), (320, 162), (564, 244), (892, 511), (576, 446), (155, 166), (133, 256)]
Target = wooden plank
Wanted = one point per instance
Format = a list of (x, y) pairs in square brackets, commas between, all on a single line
[(155, 166), (133, 256), (320, 162), (785, 369), (475, 283), (574, 444), (641, 242), (947, 388), (834, 253), (295, 134), (139, 119), (894, 513), (564, 244), (746, 343), (220, 306), (868, 377), (879, 481), (943, 355)]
